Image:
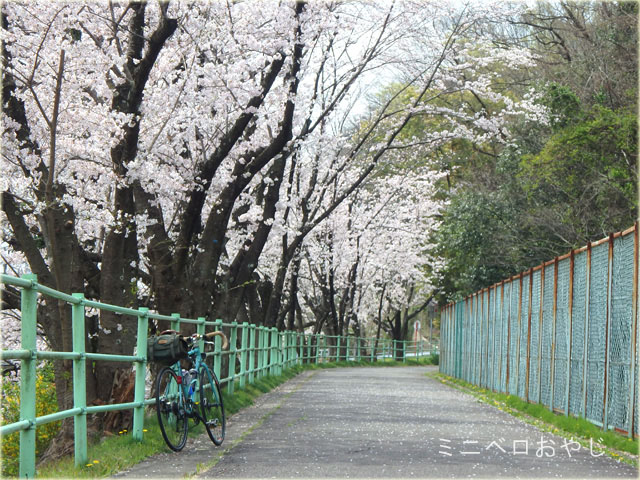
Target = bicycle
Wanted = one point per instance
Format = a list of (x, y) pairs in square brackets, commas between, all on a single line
[(190, 393)]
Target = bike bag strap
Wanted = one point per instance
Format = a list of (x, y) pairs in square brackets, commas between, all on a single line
[(166, 349)]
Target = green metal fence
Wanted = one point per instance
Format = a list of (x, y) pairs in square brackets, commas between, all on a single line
[(563, 334), (254, 352)]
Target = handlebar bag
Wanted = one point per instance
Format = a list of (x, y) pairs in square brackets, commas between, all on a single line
[(166, 349)]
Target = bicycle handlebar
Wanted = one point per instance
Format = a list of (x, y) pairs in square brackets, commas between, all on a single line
[(225, 342), (207, 336)]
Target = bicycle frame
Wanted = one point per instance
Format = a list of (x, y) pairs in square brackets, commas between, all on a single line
[(190, 388)]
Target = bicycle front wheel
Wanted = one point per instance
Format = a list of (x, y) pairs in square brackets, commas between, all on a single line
[(170, 402), (211, 405)]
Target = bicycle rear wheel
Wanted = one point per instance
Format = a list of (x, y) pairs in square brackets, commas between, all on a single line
[(211, 405), (170, 402)]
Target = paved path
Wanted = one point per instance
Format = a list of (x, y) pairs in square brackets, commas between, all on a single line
[(388, 423)]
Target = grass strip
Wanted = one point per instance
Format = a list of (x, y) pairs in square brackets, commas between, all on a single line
[(111, 454), (610, 442)]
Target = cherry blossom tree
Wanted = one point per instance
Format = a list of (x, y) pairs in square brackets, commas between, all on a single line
[(136, 136), (199, 158)]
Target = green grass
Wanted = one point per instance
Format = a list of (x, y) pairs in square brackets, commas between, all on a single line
[(112, 454), (581, 429)]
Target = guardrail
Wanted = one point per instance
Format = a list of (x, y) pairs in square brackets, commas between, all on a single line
[(254, 352)]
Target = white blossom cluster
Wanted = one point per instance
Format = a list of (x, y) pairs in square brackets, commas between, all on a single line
[(204, 80)]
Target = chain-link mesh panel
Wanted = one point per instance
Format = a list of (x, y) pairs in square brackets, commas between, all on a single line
[(576, 394), (470, 339), (459, 344), (513, 336), (476, 340), (481, 336), (619, 374), (498, 340), (492, 338), (485, 337), (486, 340), (636, 414), (534, 361), (505, 334), (597, 332), (562, 339), (465, 338), (524, 333), (547, 333)]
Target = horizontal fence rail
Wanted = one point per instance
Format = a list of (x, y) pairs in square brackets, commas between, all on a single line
[(563, 334), (254, 352)]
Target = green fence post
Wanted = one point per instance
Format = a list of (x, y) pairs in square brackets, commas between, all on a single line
[(260, 351), (200, 329), (267, 352), (233, 352), (175, 323), (79, 382), (291, 357), (217, 357), (243, 354), (141, 370), (268, 345), (283, 344), (263, 351), (277, 350), (295, 341), (252, 352), (304, 348), (28, 308), (346, 356), (404, 351), (271, 342)]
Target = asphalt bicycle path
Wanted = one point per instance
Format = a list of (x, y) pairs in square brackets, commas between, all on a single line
[(379, 423)]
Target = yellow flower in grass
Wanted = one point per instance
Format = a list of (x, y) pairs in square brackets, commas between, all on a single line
[(89, 465), (96, 461), (145, 430)]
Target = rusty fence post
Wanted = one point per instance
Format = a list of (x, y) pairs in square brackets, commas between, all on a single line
[(553, 332), (586, 333), (540, 329), (634, 334), (607, 350), (572, 262), (528, 364)]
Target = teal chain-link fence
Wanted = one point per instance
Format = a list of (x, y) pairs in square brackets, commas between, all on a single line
[(563, 334)]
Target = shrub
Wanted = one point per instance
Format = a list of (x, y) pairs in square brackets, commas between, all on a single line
[(46, 403)]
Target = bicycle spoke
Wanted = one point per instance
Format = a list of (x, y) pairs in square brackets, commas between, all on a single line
[(172, 417), (211, 405)]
